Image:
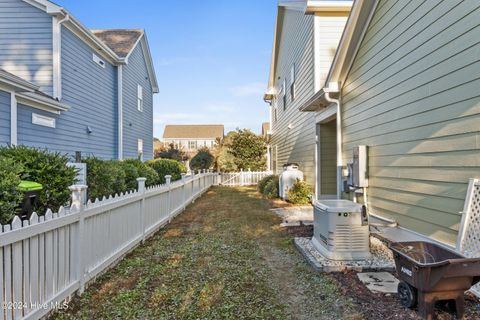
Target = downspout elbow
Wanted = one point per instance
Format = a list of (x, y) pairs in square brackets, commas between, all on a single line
[(339, 142)]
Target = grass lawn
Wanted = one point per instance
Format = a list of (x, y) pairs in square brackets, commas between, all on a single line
[(225, 257)]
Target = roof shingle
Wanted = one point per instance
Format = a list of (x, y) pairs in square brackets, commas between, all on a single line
[(193, 131), (121, 41)]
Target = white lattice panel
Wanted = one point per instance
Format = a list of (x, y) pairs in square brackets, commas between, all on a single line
[(468, 242)]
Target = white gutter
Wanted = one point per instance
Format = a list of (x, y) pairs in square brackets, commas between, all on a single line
[(13, 119), (120, 112), (339, 143)]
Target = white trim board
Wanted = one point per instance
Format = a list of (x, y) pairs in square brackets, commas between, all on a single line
[(13, 119)]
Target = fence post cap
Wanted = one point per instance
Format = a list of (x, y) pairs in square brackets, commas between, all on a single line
[(141, 179), (168, 176), (78, 187)]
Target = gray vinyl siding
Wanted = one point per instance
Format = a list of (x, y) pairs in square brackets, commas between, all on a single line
[(37, 136), (297, 47), (136, 124), (26, 43), (90, 92), (412, 97), (5, 99), (298, 143)]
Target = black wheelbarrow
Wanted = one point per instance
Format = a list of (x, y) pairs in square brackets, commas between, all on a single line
[(429, 273)]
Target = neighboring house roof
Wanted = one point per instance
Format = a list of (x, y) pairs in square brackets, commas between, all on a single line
[(265, 128), (353, 34), (121, 41), (95, 42), (193, 131), (308, 7)]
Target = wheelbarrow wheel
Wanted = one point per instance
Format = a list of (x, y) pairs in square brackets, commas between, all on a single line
[(407, 295)]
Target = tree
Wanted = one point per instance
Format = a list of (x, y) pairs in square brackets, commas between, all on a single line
[(248, 150), (171, 153), (202, 160)]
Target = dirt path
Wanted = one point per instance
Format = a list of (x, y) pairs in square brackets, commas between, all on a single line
[(225, 257)]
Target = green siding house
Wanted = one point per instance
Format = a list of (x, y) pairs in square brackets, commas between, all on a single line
[(405, 82)]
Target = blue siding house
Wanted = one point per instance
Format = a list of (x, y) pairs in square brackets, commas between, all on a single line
[(70, 89)]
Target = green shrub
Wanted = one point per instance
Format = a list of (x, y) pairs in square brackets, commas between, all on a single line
[(10, 196), (165, 167), (47, 168), (104, 178), (300, 193), (131, 175), (202, 160), (144, 171), (271, 188), (263, 183)]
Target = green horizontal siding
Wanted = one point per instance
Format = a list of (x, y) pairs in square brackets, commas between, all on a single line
[(412, 97)]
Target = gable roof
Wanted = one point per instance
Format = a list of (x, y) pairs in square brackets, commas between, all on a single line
[(121, 41), (212, 131), (105, 44), (308, 7), (16, 82)]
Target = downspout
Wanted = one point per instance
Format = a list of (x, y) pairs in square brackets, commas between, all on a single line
[(339, 143), (120, 111), (57, 58)]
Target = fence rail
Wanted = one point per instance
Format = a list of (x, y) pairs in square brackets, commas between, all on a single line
[(48, 258), (242, 178)]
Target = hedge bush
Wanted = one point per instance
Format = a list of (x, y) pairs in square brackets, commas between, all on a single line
[(300, 193), (165, 167), (144, 171), (10, 196), (263, 183), (271, 188), (47, 168), (202, 160), (104, 178)]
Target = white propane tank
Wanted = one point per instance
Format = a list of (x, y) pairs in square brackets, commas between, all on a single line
[(289, 176)]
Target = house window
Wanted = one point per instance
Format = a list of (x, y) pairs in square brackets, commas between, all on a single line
[(192, 145), (140, 149), (284, 92), (292, 84), (275, 114), (140, 98)]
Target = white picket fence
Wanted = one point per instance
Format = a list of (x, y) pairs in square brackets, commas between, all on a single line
[(47, 259), (242, 178)]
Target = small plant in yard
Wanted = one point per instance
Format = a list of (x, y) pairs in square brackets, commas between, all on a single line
[(144, 171), (10, 196), (167, 167), (104, 178), (202, 160), (271, 188), (47, 168), (263, 183), (300, 193)]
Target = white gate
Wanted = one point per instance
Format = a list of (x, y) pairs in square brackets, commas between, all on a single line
[(242, 178)]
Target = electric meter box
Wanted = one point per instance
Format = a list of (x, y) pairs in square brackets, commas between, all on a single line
[(360, 167)]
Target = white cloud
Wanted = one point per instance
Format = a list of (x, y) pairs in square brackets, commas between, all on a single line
[(249, 89)]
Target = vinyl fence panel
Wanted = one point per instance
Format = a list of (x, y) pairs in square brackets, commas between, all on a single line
[(45, 260), (242, 178)]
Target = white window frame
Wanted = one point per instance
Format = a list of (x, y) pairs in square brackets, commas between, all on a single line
[(140, 98), (195, 144), (284, 94), (140, 149), (292, 83)]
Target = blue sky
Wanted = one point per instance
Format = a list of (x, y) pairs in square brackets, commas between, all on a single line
[(211, 57)]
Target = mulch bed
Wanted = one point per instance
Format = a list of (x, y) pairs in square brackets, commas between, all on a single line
[(383, 306), (302, 231)]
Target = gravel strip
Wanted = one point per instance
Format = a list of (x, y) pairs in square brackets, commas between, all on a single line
[(382, 258)]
